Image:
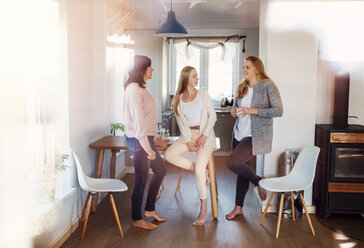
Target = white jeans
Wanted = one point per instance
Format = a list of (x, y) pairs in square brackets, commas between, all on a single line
[(173, 156)]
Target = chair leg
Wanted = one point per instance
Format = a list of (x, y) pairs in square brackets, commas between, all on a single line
[(87, 215), (179, 181), (292, 203), (308, 216), (266, 207), (280, 215), (84, 208), (162, 186), (116, 216)]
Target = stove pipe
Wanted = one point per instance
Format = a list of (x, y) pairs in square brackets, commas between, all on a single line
[(341, 100)]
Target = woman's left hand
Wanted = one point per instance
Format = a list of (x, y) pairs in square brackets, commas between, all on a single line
[(243, 111), (160, 143), (200, 142)]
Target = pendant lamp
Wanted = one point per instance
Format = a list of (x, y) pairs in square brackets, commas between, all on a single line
[(171, 28)]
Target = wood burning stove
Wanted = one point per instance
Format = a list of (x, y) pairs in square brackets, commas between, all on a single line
[(339, 179)]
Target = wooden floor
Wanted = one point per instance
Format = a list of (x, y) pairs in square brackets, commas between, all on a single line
[(182, 210)]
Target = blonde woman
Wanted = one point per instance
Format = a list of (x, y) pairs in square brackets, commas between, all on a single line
[(257, 101), (196, 118)]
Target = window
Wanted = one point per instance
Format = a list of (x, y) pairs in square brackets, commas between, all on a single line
[(218, 68)]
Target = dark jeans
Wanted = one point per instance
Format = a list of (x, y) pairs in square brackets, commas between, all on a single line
[(141, 166), (240, 162)]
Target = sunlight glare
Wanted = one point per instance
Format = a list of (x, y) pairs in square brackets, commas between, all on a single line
[(336, 25)]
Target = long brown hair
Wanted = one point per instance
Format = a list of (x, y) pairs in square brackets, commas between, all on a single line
[(261, 76), (136, 75), (182, 86)]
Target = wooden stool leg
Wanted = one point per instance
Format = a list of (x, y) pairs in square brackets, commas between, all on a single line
[(179, 181), (87, 215), (162, 186), (266, 207), (217, 193), (213, 186), (84, 207), (292, 203), (280, 215), (116, 216), (308, 216)]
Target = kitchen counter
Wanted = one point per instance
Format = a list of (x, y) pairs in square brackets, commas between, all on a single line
[(222, 110)]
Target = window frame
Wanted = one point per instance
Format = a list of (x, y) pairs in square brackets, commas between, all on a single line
[(204, 75)]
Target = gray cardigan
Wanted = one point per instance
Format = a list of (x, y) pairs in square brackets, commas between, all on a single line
[(267, 99)]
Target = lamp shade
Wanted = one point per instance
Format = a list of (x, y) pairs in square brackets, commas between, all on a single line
[(171, 28)]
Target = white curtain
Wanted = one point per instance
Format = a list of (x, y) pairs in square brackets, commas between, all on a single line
[(205, 43), (34, 110)]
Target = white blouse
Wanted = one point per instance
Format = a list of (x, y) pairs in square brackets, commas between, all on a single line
[(192, 111), (243, 127)]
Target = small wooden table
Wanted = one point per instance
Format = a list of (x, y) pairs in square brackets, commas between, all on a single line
[(117, 143)]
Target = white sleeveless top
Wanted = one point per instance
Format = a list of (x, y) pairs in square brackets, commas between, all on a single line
[(243, 127), (192, 111)]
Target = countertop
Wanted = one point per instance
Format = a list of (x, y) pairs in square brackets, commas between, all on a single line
[(222, 110), (217, 110)]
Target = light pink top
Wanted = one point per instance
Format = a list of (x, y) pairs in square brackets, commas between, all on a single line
[(140, 114)]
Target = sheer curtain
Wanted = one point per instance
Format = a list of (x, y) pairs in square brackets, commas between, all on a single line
[(215, 59), (34, 115)]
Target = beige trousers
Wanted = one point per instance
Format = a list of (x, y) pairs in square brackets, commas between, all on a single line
[(173, 156)]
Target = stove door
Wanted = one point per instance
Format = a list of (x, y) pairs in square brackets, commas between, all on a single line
[(347, 163)]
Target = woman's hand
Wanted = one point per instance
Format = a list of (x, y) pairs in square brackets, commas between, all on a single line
[(192, 147), (200, 142), (243, 111), (160, 143), (233, 111), (151, 154)]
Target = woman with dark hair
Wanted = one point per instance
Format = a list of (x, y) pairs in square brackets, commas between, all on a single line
[(140, 117), (196, 118), (257, 101)]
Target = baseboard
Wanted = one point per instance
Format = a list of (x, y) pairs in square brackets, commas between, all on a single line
[(74, 225), (273, 209), (66, 234)]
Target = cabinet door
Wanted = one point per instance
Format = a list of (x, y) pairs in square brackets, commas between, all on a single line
[(224, 129)]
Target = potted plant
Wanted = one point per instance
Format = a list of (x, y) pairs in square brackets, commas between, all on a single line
[(116, 126)]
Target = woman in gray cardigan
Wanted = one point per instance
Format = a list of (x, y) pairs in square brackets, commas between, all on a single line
[(257, 101)]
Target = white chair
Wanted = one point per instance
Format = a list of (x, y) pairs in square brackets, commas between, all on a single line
[(95, 185), (300, 178)]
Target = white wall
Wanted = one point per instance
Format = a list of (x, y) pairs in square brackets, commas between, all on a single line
[(356, 99), (325, 91), (95, 84), (148, 45)]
